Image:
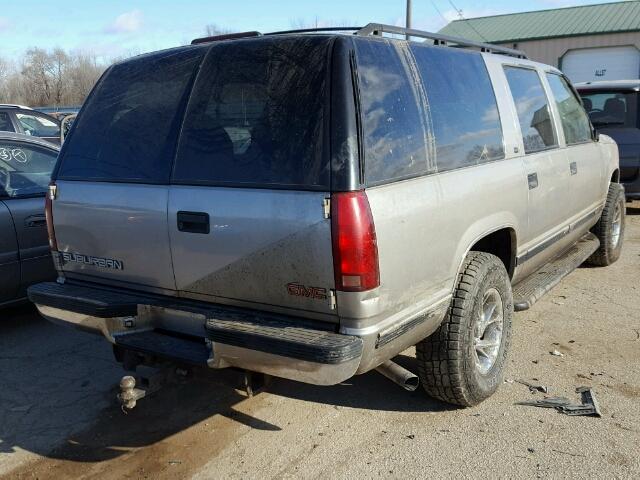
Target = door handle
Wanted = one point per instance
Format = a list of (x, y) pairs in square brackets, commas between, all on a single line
[(35, 221), (573, 168), (532, 178), (193, 222)]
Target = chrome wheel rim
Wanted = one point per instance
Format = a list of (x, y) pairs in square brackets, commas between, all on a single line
[(616, 226), (488, 331)]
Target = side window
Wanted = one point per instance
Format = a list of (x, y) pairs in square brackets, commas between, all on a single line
[(466, 122), (5, 123), (24, 169), (37, 125), (393, 122), (533, 109), (572, 115)]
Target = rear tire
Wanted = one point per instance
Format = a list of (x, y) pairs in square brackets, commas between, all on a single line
[(610, 228), (463, 361)]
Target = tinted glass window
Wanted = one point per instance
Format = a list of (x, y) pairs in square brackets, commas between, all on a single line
[(256, 115), (393, 122), (37, 125), (5, 123), (24, 169), (128, 129), (611, 109), (573, 117), (466, 123), (533, 109)]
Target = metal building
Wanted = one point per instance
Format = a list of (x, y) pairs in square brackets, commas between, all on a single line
[(591, 42)]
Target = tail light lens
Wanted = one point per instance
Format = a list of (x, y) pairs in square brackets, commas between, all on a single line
[(355, 251), (48, 211)]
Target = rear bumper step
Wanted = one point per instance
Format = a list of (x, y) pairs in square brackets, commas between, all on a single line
[(165, 346), (279, 345), (534, 287)]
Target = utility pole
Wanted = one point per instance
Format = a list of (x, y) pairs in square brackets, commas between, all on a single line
[(408, 21)]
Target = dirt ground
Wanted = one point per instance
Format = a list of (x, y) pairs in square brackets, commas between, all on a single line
[(59, 419)]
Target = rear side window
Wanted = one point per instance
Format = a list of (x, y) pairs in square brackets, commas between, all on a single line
[(463, 108), (38, 125), (393, 121), (575, 123), (256, 116), (128, 129), (5, 123), (24, 169), (533, 109)]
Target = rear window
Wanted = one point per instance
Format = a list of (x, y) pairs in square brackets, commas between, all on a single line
[(128, 129), (533, 109), (24, 169), (466, 122), (611, 108), (256, 116)]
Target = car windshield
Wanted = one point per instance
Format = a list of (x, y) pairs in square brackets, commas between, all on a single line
[(24, 169), (611, 108)]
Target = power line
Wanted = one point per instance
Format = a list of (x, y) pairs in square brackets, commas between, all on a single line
[(459, 12)]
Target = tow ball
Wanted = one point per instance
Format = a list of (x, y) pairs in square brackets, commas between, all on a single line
[(149, 380)]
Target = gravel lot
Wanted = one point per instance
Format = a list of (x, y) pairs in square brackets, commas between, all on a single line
[(58, 417)]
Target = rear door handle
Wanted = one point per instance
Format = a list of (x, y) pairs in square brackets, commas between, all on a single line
[(532, 178), (35, 221), (573, 168), (193, 222)]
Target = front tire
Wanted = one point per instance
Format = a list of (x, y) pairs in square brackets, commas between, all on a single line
[(463, 362), (610, 228)]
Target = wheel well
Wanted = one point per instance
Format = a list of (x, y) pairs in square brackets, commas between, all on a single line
[(615, 177), (502, 244)]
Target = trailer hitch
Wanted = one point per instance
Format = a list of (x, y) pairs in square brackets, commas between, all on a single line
[(147, 381)]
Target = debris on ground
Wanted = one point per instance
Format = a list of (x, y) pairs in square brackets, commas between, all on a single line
[(556, 353), (534, 387), (588, 407)]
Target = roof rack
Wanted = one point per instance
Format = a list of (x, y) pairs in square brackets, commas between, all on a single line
[(226, 36), (316, 30), (379, 29), (438, 39)]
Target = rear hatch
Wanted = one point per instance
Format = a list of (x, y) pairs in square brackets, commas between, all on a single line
[(223, 203)]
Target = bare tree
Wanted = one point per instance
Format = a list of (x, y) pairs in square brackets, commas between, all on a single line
[(213, 30)]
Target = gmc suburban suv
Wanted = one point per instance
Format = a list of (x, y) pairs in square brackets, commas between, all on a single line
[(309, 206)]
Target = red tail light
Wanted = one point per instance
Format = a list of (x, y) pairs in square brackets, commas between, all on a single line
[(355, 251), (48, 211)]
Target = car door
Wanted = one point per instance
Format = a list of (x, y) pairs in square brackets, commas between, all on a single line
[(582, 152), (38, 125), (544, 162), (9, 260), (26, 171)]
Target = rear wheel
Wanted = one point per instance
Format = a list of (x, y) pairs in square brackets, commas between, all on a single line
[(610, 228), (463, 362)]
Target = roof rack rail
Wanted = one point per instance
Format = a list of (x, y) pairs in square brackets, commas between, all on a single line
[(316, 30), (438, 39), (226, 36)]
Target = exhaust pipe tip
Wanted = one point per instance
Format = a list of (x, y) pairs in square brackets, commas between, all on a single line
[(399, 375)]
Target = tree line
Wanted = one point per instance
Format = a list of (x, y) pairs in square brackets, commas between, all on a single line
[(49, 78)]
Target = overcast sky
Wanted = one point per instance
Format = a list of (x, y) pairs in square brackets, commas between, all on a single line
[(118, 27)]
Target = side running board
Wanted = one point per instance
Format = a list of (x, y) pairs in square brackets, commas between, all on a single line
[(536, 285)]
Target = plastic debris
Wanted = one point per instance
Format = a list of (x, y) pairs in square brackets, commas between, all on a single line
[(588, 407), (556, 353), (534, 387)]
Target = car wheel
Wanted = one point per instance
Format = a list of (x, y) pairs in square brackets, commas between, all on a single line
[(463, 362), (610, 228)]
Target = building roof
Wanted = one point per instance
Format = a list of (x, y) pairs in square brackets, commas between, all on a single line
[(559, 22)]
